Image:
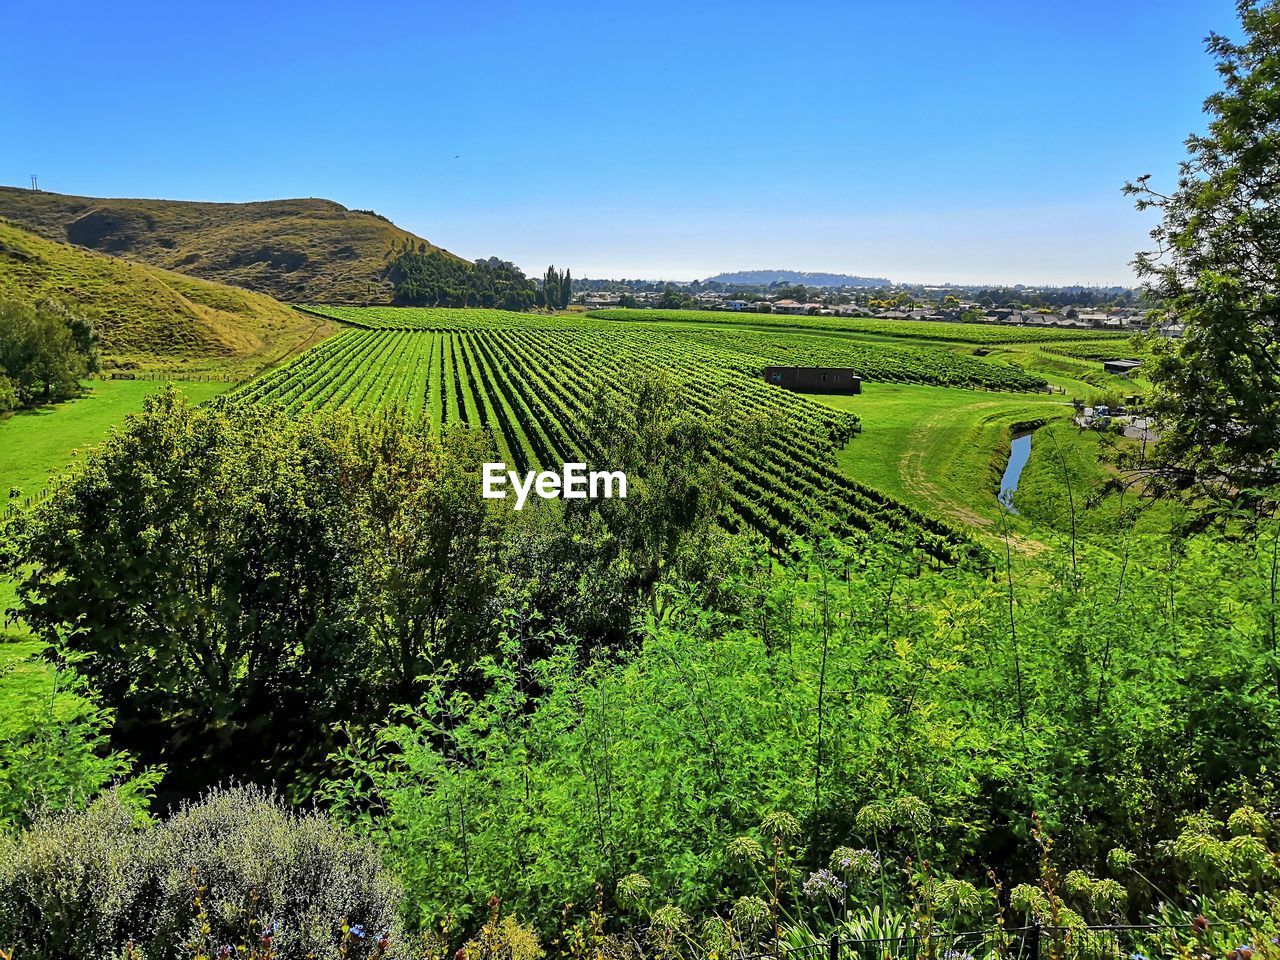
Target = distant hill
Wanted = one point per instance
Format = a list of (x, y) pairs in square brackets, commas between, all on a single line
[(150, 317), (297, 251), (757, 278)]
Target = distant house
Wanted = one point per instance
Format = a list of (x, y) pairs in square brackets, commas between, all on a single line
[(1121, 368), (814, 379), (788, 306), (736, 304)]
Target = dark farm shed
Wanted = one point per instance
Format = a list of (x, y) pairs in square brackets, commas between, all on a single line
[(1121, 367), (814, 379)]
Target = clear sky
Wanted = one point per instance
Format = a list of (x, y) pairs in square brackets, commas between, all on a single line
[(935, 140)]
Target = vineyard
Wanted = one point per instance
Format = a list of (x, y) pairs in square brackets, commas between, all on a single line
[(988, 334), (747, 351), (531, 386), (1099, 349)]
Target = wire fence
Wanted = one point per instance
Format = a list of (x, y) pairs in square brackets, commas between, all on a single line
[(184, 376)]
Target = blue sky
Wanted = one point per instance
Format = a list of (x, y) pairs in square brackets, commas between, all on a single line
[(928, 141)]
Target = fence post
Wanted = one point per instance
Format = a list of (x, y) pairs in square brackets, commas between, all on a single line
[(833, 949), (1034, 950)]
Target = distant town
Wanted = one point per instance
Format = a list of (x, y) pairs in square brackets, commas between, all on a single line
[(1121, 309)]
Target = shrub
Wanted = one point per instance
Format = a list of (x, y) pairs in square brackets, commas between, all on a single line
[(8, 395), (57, 757), (234, 867)]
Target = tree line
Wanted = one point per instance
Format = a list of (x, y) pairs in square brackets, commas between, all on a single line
[(422, 277)]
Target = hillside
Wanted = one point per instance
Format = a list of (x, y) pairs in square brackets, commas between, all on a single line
[(758, 278), (155, 318), (297, 251)]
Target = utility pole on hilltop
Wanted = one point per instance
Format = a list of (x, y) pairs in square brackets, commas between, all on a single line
[(33, 182)]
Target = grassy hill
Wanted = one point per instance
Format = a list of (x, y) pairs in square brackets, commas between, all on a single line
[(299, 251), (155, 318)]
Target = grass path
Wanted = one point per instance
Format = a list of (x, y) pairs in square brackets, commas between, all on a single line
[(940, 448)]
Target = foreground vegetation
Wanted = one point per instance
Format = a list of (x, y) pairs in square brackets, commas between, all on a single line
[(838, 745)]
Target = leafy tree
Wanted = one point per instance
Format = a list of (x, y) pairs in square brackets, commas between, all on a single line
[(434, 279), (425, 544), (198, 569), (8, 395), (44, 351), (1217, 270), (673, 298)]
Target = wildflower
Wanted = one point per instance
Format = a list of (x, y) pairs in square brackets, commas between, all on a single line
[(357, 931), (958, 896), (1026, 898), (669, 919), (1107, 896), (862, 863), (873, 817), (1120, 859), (957, 955), (751, 914), (633, 889), (1077, 882), (716, 937), (912, 812), (823, 883), (780, 824), (1137, 956), (744, 850)]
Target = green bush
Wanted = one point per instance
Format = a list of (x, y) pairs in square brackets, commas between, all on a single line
[(57, 755), (228, 870), (8, 395)]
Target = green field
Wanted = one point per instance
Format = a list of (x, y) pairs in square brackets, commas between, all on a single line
[(35, 444)]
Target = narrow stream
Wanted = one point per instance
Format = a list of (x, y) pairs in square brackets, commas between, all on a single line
[(1019, 453)]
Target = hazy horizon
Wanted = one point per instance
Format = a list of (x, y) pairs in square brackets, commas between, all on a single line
[(927, 144)]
